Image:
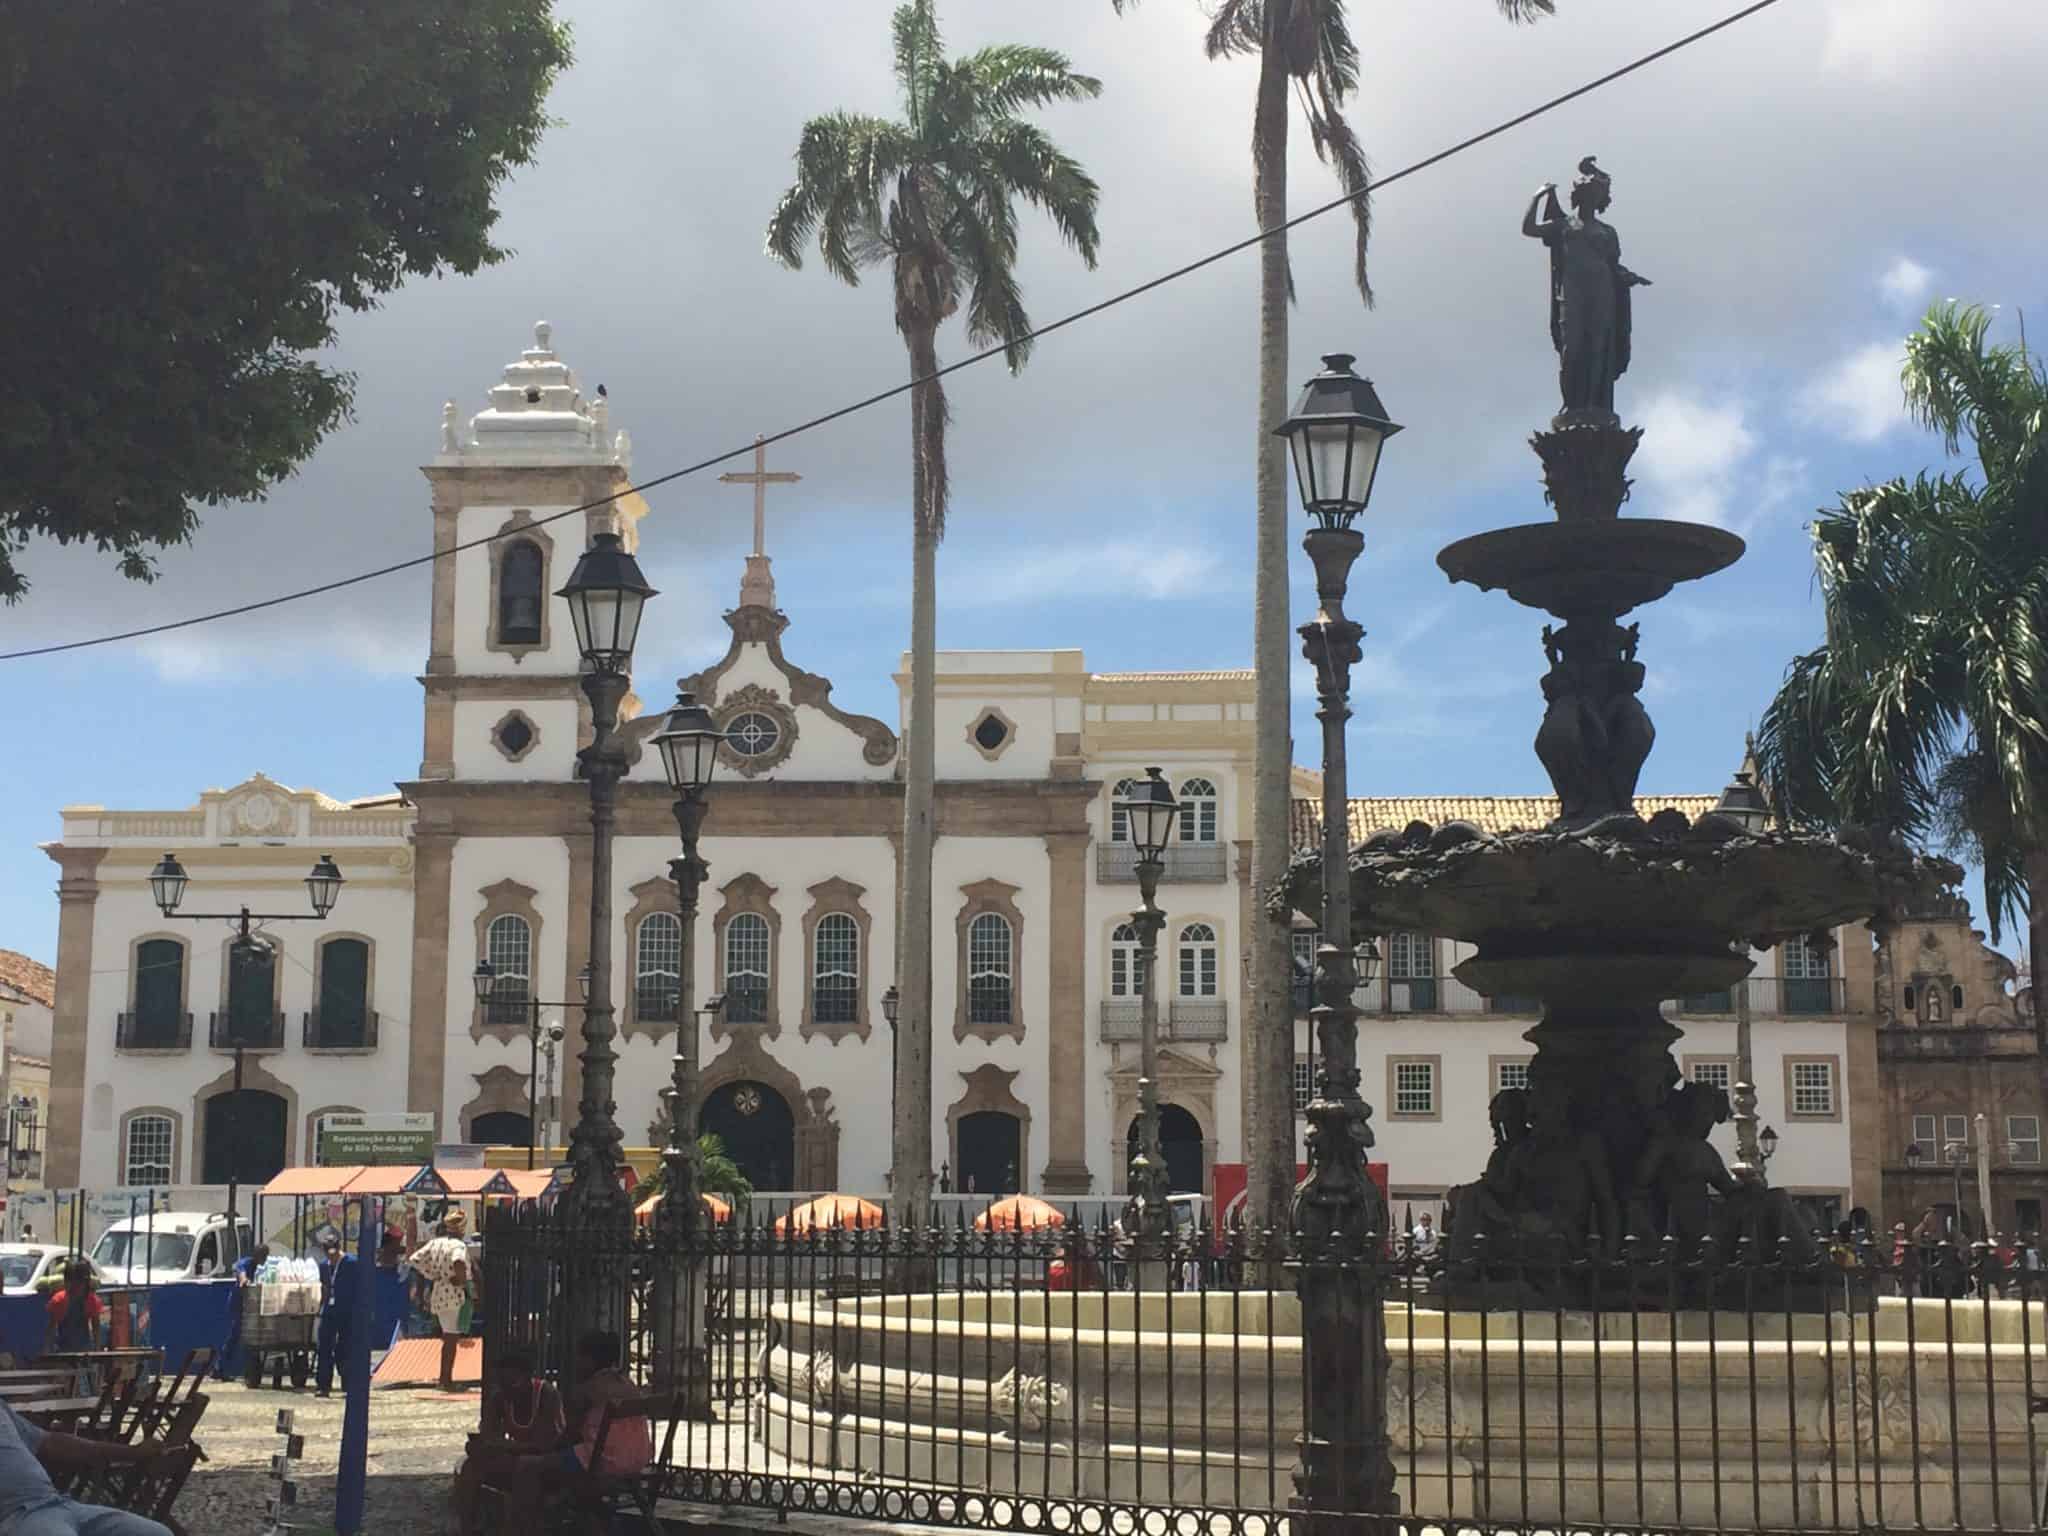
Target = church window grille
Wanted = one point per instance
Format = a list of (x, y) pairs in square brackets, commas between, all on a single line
[(657, 968), (148, 1159), (508, 945), (746, 969), (753, 734), (835, 975), (990, 945)]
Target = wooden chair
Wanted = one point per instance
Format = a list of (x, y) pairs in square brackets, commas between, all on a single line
[(591, 1504), (160, 1409), (150, 1489)]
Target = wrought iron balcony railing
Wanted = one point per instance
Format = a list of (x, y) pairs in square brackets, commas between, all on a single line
[(226, 1030), (153, 1031), (334, 1029), (1180, 1018)]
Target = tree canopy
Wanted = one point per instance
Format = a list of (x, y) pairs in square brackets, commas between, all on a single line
[(1925, 712), (194, 192)]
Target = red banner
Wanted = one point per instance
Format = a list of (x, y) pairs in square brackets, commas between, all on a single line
[(1229, 1183)]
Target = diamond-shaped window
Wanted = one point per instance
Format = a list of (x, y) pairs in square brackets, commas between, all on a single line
[(991, 733), (514, 734)]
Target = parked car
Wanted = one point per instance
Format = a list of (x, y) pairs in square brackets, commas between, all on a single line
[(26, 1268), (170, 1246)]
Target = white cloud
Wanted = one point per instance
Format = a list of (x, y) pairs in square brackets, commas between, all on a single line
[(1905, 283), (1116, 568), (1692, 454), (1858, 396), (1881, 39), (214, 653)]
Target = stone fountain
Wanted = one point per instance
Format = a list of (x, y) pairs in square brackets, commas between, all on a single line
[(1603, 914), (1036, 1410)]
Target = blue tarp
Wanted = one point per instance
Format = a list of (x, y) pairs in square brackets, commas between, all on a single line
[(22, 1320), (192, 1314)]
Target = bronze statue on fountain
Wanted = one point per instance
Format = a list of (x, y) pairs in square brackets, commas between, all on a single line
[(1603, 914)]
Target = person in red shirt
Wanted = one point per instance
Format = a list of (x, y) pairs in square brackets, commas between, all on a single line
[(75, 1313)]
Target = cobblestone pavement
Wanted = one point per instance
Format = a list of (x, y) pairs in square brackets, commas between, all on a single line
[(416, 1438)]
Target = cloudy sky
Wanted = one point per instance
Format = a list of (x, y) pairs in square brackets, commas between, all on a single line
[(1798, 188)]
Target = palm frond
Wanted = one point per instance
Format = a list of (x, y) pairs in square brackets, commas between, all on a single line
[(1235, 28), (1957, 383), (1334, 80), (1011, 76), (844, 163), (920, 53), (1526, 10), (1027, 163)]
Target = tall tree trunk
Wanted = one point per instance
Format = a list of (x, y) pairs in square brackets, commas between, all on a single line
[(911, 1153), (2036, 869), (1269, 1035)]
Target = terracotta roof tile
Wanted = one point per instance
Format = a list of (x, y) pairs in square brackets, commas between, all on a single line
[(31, 977), (1490, 813)]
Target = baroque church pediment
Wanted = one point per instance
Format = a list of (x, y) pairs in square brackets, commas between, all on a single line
[(762, 750)]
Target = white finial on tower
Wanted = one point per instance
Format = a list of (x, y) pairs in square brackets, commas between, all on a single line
[(450, 441), (543, 336)]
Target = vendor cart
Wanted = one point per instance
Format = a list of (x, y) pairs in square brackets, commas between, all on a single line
[(278, 1333)]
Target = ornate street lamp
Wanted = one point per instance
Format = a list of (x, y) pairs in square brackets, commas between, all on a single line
[(1767, 1143), (1335, 435), (1744, 804), (167, 883), (606, 595), (1152, 815), (688, 744)]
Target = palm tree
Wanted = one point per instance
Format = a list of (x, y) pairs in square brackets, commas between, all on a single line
[(934, 198), (1305, 44), (1925, 713)]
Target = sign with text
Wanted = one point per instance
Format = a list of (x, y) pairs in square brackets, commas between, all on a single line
[(341, 1146)]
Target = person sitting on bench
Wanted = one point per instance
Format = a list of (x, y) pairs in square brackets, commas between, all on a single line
[(522, 1416), (628, 1444)]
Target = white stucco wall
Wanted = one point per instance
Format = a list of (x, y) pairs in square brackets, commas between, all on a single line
[(552, 757), (375, 904)]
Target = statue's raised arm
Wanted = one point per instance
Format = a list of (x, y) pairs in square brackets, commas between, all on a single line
[(1590, 320)]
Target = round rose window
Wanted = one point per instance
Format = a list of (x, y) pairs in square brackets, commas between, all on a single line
[(753, 734)]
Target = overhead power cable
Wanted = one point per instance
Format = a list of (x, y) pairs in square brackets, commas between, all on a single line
[(1125, 296)]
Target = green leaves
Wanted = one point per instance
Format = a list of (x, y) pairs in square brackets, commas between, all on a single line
[(185, 231), (1926, 712)]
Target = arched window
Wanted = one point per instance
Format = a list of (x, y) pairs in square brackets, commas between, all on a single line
[(657, 968), (519, 593), (1119, 819), (1126, 978), (1910, 998), (1302, 944), (1955, 997), (147, 1157), (1198, 960), (835, 970), (746, 969), (989, 949), (508, 945), (343, 1018), (1197, 811)]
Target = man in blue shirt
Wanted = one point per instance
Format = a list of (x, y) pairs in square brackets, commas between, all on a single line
[(30, 1504), (337, 1310)]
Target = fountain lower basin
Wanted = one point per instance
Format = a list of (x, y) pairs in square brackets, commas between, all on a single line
[(1194, 1401)]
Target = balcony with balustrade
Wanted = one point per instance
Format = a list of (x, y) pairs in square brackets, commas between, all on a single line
[(151, 1031), (1185, 864), (229, 1030), (1185, 1020), (340, 1031)]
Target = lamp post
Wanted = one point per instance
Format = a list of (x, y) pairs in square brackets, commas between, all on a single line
[(1957, 1155), (606, 595), (688, 744), (487, 981), (892, 1004), (1152, 814), (167, 882), (1344, 1467), (1743, 803)]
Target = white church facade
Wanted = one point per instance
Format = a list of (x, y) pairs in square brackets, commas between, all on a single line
[(483, 853)]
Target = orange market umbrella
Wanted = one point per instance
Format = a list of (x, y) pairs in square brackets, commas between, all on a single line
[(1019, 1213), (719, 1211), (830, 1211)]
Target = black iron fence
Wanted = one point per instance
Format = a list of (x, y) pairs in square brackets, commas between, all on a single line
[(1063, 1380), (252, 1032), (340, 1029), (153, 1030)]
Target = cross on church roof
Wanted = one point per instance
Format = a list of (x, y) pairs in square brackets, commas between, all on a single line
[(757, 587)]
